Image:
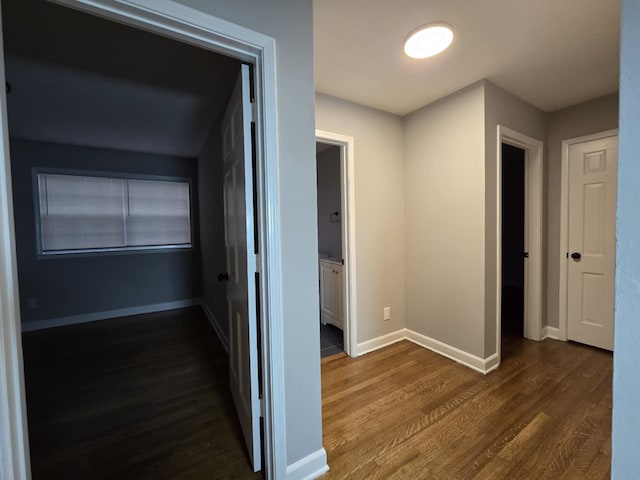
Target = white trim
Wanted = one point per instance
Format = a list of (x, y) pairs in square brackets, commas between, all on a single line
[(550, 332), (490, 363), (381, 342), (174, 20), (224, 339), (270, 261), (564, 225), (347, 174), (126, 312), (482, 365), (309, 467), (107, 314), (533, 232), (14, 436)]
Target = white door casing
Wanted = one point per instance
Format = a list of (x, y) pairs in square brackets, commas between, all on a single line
[(349, 275), (241, 263), (591, 241), (14, 442), (533, 234)]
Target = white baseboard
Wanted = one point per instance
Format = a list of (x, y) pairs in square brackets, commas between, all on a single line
[(491, 363), (482, 365), (550, 332), (107, 314), (478, 364), (309, 467), (216, 326), (380, 342)]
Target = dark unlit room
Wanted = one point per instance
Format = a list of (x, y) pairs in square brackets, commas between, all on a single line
[(327, 239)]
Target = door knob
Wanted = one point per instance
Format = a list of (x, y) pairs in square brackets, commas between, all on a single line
[(223, 277), (576, 256)]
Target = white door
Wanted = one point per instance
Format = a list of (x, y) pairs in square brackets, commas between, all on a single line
[(241, 263), (592, 222)]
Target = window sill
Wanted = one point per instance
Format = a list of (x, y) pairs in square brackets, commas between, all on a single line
[(102, 252)]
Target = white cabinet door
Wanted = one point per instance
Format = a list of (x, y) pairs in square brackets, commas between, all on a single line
[(592, 223), (331, 293), (337, 292), (327, 300)]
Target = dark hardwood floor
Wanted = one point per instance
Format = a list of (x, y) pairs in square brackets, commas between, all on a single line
[(147, 397), (404, 412), (143, 397)]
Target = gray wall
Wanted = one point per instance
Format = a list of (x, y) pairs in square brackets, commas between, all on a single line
[(626, 356), (212, 248), (290, 23), (378, 184), (81, 284), (445, 228), (329, 202), (450, 207), (501, 108), (583, 119)]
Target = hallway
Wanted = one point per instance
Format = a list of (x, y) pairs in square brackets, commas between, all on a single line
[(404, 412)]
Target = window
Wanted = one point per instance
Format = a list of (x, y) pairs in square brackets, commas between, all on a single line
[(80, 213)]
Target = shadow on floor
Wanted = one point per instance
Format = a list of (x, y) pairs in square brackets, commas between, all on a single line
[(330, 340), (136, 398)]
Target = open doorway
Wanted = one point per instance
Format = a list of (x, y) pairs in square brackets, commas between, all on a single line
[(330, 255), (336, 243), (210, 39), (519, 237), (513, 241), (107, 212)]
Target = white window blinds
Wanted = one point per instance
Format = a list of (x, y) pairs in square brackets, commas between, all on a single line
[(158, 213), (80, 213)]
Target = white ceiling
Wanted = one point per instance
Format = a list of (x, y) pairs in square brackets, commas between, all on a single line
[(81, 80), (551, 53)]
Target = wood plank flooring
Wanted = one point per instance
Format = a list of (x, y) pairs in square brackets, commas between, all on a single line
[(404, 412), (147, 397), (143, 397)]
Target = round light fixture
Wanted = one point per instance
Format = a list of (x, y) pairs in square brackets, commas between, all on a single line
[(428, 40)]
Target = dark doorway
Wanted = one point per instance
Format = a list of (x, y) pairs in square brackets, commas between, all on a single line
[(330, 255), (513, 224)]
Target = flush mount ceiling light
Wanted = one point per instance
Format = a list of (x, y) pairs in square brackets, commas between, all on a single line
[(428, 40)]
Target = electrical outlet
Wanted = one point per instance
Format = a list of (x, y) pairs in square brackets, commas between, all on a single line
[(387, 313), (32, 303)]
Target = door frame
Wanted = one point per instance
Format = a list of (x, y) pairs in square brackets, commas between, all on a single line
[(14, 440), (348, 225), (179, 22), (533, 149), (564, 226)]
